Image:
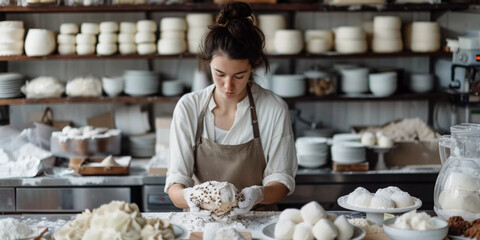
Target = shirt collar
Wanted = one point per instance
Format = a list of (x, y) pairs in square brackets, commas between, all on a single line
[(242, 105)]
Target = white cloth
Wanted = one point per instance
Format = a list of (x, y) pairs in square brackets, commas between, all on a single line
[(275, 132), (220, 135)]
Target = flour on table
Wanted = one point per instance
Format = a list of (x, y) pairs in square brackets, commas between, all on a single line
[(12, 229)]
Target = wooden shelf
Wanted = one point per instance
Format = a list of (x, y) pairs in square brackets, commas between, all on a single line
[(210, 7), (193, 56), (159, 99)]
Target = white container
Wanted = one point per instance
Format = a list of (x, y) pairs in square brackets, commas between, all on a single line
[(439, 233), (387, 45), (171, 46), (425, 29), (354, 80), (106, 49), (422, 83), (388, 34), (195, 20), (324, 34), (172, 34), (197, 34), (113, 86), (429, 46), (288, 41), (271, 22), (318, 45), (291, 85), (351, 46), (173, 23), (349, 32), (382, 84), (386, 22), (172, 88), (194, 46), (39, 42)]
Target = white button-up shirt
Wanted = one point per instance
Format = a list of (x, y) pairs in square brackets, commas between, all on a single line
[(275, 133)]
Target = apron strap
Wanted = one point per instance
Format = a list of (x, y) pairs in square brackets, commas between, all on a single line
[(253, 113)]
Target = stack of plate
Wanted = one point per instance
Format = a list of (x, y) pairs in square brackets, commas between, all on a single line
[(142, 145), (10, 84), (348, 152), (141, 83), (172, 88), (346, 137), (422, 83), (312, 152)]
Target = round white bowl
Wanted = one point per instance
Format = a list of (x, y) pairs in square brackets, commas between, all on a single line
[(289, 85), (381, 45), (113, 86), (318, 45), (171, 46), (39, 42), (382, 84), (354, 80), (351, 46), (439, 233), (422, 83), (349, 33), (288, 41), (271, 22), (324, 34)]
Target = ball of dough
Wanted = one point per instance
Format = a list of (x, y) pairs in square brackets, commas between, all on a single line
[(303, 231), (312, 212), (402, 199), (325, 230), (385, 192), (345, 229), (284, 229), (216, 197), (381, 202), (368, 139), (292, 214), (363, 200)]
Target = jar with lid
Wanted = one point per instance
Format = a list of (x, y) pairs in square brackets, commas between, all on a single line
[(320, 82)]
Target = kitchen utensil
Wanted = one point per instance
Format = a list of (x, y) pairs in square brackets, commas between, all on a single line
[(376, 214), (439, 233)]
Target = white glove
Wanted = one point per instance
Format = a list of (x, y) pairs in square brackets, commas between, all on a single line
[(251, 196), (194, 208)]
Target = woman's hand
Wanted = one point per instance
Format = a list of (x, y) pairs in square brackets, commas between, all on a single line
[(193, 205), (251, 197)]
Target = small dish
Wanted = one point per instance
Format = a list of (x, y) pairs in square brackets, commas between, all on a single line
[(439, 233), (269, 231)]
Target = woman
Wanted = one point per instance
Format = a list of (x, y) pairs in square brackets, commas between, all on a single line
[(233, 130)]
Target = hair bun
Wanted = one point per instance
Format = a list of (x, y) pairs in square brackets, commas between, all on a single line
[(234, 10)]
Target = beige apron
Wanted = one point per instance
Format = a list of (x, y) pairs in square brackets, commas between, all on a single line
[(242, 165)]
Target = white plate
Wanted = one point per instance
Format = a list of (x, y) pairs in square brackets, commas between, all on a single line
[(269, 231), (342, 201)]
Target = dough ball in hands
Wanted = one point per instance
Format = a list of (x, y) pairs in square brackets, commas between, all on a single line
[(216, 197), (303, 231), (284, 229), (345, 229), (325, 230), (292, 214), (312, 212)]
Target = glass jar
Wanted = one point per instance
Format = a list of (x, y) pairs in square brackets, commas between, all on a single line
[(320, 82)]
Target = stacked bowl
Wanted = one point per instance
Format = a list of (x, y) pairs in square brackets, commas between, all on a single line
[(421, 83), (382, 84), (348, 152), (289, 85), (172, 88), (172, 38), (142, 145), (423, 36), (141, 83), (318, 41), (312, 152), (350, 40), (269, 24), (10, 84), (197, 29), (354, 80), (288, 41), (387, 36)]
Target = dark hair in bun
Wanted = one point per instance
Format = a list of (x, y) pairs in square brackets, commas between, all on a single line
[(235, 36)]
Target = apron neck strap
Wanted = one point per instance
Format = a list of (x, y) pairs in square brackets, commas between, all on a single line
[(253, 113)]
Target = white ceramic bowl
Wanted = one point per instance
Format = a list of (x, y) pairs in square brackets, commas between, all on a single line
[(381, 45), (171, 46), (271, 22), (382, 84), (324, 34), (439, 233), (349, 33), (173, 23), (199, 20), (39, 42), (318, 45), (354, 80), (113, 86), (197, 34), (351, 46), (288, 41), (172, 88), (425, 46), (386, 22), (289, 85), (422, 83)]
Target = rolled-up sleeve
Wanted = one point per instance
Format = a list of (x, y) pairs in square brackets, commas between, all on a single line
[(181, 159), (282, 160)]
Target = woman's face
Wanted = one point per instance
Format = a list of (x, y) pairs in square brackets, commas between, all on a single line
[(230, 77)]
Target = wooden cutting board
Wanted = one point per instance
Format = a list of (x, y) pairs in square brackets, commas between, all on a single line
[(94, 167), (199, 235)]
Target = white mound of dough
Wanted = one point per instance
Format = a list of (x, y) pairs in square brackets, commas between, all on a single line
[(284, 229), (381, 202), (414, 221), (303, 231), (352, 197), (109, 162), (325, 230), (216, 197), (312, 212), (402, 199), (345, 229), (292, 214), (116, 220), (216, 231)]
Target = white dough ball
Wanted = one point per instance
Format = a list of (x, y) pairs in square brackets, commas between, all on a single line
[(384, 192), (368, 139), (303, 231), (345, 229), (284, 229), (402, 199), (325, 230), (381, 202), (292, 214), (363, 200), (312, 212), (352, 197)]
